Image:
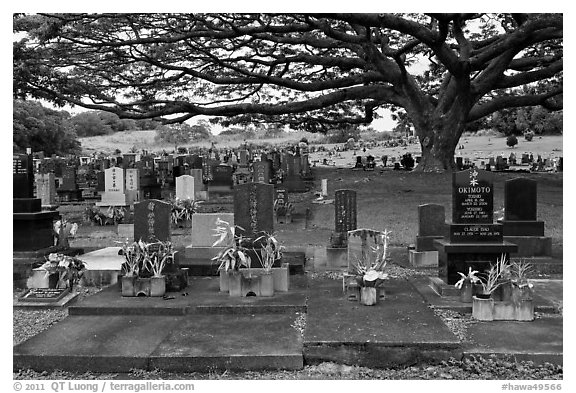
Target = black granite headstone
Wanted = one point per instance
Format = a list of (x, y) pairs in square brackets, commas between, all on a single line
[(222, 175), (152, 220), (345, 210), (472, 197), (253, 208), (520, 199), (23, 176)]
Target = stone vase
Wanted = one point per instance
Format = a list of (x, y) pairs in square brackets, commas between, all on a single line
[(157, 286), (525, 310), (466, 292), (482, 308), (128, 286), (224, 286), (368, 296), (504, 311), (266, 284), (235, 284)]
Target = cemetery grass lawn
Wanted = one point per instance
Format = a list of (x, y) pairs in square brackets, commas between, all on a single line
[(389, 199)]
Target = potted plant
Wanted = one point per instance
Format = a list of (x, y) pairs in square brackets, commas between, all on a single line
[(504, 291), (182, 210), (270, 252), (466, 285), (63, 271), (522, 291), (156, 258), (482, 302), (369, 271), (231, 258), (143, 267), (63, 230)]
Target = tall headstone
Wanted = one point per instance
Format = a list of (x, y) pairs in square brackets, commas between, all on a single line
[(324, 191), (262, 172), (431, 226), (46, 188), (152, 220), (114, 188), (185, 187), (32, 229), (345, 211), (133, 192), (475, 241), (22, 175), (520, 224), (253, 208)]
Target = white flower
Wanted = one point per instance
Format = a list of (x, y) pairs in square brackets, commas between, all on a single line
[(372, 275)]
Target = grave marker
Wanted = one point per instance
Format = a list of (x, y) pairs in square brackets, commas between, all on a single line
[(254, 208), (185, 187), (345, 211), (152, 220)]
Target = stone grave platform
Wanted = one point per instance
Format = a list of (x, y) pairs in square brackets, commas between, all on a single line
[(202, 296), (199, 333), (102, 266)]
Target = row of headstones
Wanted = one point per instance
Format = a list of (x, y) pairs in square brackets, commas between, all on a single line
[(253, 212), (500, 163), (209, 170)]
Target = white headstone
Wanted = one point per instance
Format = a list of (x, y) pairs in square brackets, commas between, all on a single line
[(114, 188), (324, 187), (46, 188), (133, 185), (185, 187)]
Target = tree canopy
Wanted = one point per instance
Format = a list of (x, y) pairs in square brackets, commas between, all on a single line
[(310, 71)]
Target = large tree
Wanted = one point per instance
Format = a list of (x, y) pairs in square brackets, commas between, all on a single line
[(308, 71)]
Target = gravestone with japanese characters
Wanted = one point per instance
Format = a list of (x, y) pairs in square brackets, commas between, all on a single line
[(345, 216), (152, 220), (253, 208), (114, 188), (474, 240), (32, 228), (262, 171), (133, 192)]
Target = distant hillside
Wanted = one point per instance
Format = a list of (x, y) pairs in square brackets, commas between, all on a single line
[(145, 140)]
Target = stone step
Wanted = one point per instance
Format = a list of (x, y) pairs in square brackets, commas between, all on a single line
[(202, 296), (198, 343)]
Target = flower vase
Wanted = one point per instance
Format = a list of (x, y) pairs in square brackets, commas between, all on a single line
[(483, 308), (506, 291), (128, 285), (235, 284), (466, 292), (224, 279), (53, 279), (157, 286), (266, 284), (368, 296), (525, 310)]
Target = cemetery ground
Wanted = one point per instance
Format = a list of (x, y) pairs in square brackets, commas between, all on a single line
[(386, 200)]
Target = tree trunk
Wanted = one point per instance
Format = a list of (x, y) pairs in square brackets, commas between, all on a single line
[(438, 140)]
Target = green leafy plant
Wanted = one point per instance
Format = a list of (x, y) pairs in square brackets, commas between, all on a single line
[(143, 259), (471, 277), (183, 209), (234, 255), (271, 251), (490, 281), (520, 271), (369, 269)]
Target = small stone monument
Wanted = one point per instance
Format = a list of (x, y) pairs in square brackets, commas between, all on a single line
[(114, 188)]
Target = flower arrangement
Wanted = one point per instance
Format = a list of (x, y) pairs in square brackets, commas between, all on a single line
[(69, 269), (235, 254), (113, 216), (471, 277), (63, 230), (369, 269), (143, 259), (271, 251), (183, 209)]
